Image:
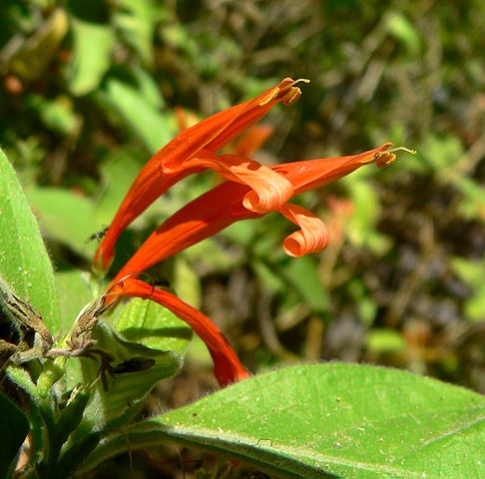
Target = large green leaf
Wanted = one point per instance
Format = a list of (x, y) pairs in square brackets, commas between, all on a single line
[(347, 420), (14, 428), (24, 262)]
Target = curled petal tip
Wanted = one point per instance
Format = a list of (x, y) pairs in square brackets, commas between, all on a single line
[(291, 96), (299, 244), (384, 158), (270, 193), (313, 236)]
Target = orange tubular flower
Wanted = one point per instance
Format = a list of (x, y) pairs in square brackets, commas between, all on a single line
[(228, 203), (193, 150), (227, 367), (251, 191)]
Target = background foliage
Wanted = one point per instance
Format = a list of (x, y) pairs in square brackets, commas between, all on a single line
[(91, 89)]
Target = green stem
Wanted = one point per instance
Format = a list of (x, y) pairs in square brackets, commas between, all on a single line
[(52, 372)]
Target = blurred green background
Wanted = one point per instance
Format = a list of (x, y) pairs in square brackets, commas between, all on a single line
[(89, 92)]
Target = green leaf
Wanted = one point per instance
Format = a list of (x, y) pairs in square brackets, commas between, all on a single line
[(71, 417), (302, 275), (136, 20), (154, 128), (14, 428), (382, 340), (149, 88), (348, 420), (58, 115), (78, 451), (440, 154), (74, 294), (23, 379), (24, 262), (472, 206), (471, 273), (405, 31), (135, 371), (118, 171), (361, 226), (93, 43), (154, 326), (67, 217)]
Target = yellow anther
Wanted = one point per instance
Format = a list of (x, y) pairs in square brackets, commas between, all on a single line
[(288, 93), (270, 96)]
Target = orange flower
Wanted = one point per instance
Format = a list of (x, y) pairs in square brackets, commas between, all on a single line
[(193, 151), (252, 190), (212, 212)]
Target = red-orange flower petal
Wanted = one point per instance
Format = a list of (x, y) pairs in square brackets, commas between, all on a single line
[(269, 190), (168, 166), (313, 236), (310, 174), (227, 367)]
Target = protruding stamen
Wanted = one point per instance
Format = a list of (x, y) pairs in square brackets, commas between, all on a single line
[(403, 148), (288, 93), (385, 158), (293, 93)]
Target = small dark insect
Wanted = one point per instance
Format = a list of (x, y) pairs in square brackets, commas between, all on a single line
[(133, 365), (98, 235)]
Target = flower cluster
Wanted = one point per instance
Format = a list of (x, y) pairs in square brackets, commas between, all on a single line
[(251, 190)]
